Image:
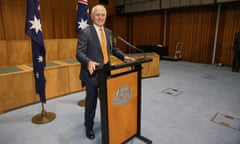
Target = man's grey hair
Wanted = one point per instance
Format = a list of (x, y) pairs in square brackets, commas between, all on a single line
[(94, 9)]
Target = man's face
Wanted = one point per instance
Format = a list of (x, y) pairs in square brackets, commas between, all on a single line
[(99, 16)]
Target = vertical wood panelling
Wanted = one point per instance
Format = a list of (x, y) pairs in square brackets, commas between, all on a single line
[(193, 27), (57, 16), (119, 26), (147, 29), (2, 29), (65, 29), (13, 16), (230, 24), (47, 19), (3, 54), (59, 20), (19, 52)]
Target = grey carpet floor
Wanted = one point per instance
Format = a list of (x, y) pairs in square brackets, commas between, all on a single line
[(189, 103)]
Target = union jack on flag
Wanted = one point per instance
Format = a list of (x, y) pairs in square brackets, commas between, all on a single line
[(82, 20)]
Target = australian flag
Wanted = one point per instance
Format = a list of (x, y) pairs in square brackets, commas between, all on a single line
[(33, 29), (82, 20)]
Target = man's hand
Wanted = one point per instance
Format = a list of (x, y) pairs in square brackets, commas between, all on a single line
[(129, 59), (92, 66)]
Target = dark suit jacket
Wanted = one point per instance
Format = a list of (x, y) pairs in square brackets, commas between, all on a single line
[(89, 49)]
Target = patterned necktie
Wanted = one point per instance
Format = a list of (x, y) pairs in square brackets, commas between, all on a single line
[(104, 46)]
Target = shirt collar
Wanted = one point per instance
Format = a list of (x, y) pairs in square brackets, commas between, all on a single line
[(97, 27)]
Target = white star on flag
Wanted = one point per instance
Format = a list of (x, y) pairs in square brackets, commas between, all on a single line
[(37, 75), (82, 24), (40, 59), (36, 24)]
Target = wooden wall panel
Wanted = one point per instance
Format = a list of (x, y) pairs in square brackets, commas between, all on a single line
[(2, 29), (75, 84), (67, 48), (19, 52), (17, 90), (13, 16), (47, 19), (58, 18), (147, 29), (195, 28), (57, 81), (51, 46), (65, 22), (119, 27), (229, 25), (3, 54)]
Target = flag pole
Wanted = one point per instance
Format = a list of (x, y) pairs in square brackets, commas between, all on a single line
[(33, 29), (82, 102), (82, 21), (43, 117)]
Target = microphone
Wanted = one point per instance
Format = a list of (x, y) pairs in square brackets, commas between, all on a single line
[(132, 46)]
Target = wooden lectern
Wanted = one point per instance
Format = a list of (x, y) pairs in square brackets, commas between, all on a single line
[(120, 102)]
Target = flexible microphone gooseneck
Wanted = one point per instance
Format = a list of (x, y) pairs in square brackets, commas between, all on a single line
[(132, 46)]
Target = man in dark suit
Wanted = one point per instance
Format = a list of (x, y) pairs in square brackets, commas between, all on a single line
[(91, 55)]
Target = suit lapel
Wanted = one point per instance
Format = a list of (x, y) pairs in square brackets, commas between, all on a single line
[(96, 39)]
